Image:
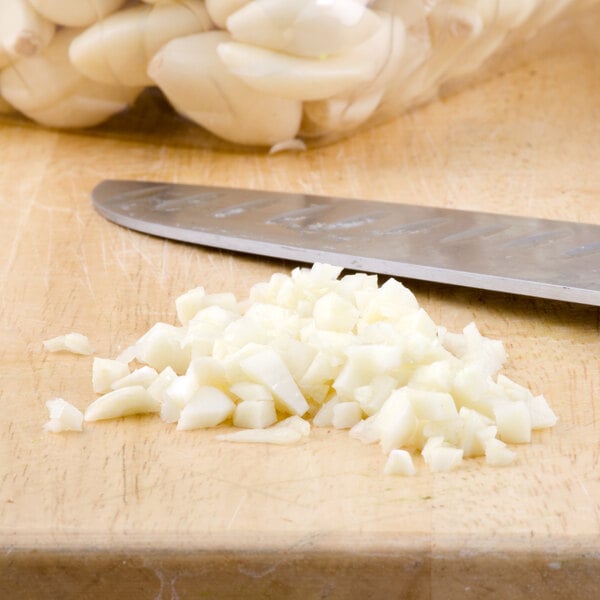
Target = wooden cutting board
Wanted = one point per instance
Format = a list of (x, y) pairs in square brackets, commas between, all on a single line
[(134, 509)]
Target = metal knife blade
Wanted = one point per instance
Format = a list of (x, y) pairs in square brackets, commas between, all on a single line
[(536, 257)]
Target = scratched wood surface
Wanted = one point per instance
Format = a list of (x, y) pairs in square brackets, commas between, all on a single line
[(133, 509)]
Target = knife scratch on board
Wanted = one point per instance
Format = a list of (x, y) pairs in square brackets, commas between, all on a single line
[(86, 276), (124, 474), (237, 510)]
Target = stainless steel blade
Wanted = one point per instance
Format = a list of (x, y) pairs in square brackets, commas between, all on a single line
[(534, 257)]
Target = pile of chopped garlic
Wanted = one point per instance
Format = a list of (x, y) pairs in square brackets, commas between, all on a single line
[(313, 349)]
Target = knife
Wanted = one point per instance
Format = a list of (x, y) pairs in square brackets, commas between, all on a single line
[(544, 258)]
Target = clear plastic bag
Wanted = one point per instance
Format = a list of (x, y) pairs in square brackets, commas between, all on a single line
[(278, 74)]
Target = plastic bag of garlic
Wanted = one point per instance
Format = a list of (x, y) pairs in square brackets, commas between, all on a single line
[(313, 349), (262, 73)]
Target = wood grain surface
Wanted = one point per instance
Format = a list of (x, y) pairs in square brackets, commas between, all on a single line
[(133, 509)]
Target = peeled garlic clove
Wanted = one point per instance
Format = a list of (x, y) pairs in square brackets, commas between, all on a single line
[(92, 104), (117, 49), (75, 13), (297, 78), (310, 28), (23, 32), (279, 74), (190, 73), (42, 80), (49, 90), (343, 113), (219, 10)]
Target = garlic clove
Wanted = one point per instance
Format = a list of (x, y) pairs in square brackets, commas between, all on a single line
[(194, 79), (220, 10), (49, 90), (75, 13), (117, 49), (309, 28), (23, 32), (300, 78)]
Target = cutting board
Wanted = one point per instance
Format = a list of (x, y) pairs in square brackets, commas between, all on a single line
[(133, 509)]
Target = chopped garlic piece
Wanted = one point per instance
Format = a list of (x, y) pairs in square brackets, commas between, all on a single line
[(143, 376), (444, 459), (157, 388), (399, 462), (76, 343), (63, 416), (123, 402), (128, 354), (255, 414), (497, 454), (176, 393), (334, 312), (251, 392), (432, 406), (161, 347), (208, 407), (513, 421), (433, 442), (105, 372), (267, 367), (540, 413), (474, 428), (366, 431), (346, 415), (440, 457), (372, 396), (324, 417), (207, 370), (188, 304), (489, 355), (396, 421), (272, 435)]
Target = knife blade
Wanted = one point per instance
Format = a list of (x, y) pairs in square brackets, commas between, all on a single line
[(543, 258)]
